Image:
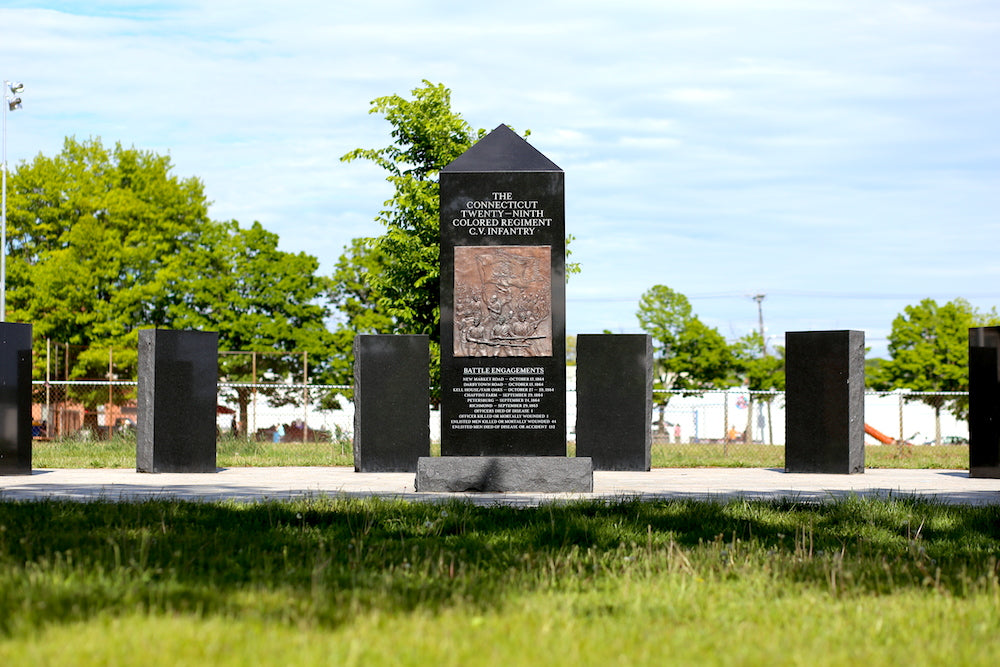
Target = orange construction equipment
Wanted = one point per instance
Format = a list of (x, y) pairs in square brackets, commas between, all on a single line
[(879, 435)]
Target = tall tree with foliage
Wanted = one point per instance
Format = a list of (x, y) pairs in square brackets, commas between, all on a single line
[(104, 242), (687, 353), (262, 301), (427, 135), (94, 236), (929, 352), (358, 305)]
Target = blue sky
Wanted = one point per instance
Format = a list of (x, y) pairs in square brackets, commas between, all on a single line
[(842, 158)]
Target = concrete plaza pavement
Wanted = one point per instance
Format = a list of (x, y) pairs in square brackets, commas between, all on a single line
[(259, 484)]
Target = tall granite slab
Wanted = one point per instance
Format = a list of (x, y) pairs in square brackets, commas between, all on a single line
[(503, 301), (825, 401), (614, 400), (15, 398), (984, 402), (391, 402), (178, 384)]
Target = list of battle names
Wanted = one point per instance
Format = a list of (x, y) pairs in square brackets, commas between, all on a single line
[(503, 398)]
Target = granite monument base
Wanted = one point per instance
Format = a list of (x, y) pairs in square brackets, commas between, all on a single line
[(15, 398), (505, 474), (825, 402), (614, 400), (391, 402), (984, 402), (178, 385)]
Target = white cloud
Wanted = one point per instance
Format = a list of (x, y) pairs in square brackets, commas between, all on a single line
[(827, 145), (698, 96)]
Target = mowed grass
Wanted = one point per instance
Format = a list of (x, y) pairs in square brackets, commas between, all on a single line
[(739, 455), (119, 452), (376, 582)]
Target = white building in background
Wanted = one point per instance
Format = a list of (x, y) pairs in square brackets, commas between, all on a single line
[(709, 416), (705, 417)]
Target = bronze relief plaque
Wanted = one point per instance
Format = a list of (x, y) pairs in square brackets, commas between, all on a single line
[(503, 301)]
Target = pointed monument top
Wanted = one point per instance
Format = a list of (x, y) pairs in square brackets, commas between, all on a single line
[(501, 150)]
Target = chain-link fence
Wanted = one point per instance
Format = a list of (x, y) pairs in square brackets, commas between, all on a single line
[(290, 412), (273, 412), (741, 416)]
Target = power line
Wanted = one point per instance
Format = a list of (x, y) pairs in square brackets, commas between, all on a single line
[(801, 294)]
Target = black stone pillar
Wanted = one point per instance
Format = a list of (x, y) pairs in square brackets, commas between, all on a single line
[(503, 301), (391, 402), (984, 402), (825, 401), (614, 400), (15, 399), (178, 386)]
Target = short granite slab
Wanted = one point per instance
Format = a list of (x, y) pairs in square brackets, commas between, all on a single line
[(505, 474)]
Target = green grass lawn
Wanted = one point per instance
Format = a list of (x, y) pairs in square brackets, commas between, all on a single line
[(372, 582), (119, 452), (770, 456)]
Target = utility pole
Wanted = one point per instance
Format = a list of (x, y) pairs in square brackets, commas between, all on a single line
[(12, 103), (759, 298)]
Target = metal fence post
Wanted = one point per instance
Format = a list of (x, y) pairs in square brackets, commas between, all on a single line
[(305, 397)]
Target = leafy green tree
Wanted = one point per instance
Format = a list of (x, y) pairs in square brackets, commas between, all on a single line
[(358, 306), (687, 353), (93, 238), (929, 352), (873, 371), (105, 242), (260, 300), (427, 135), (94, 235)]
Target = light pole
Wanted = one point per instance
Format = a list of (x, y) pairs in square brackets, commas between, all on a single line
[(11, 102), (759, 298)]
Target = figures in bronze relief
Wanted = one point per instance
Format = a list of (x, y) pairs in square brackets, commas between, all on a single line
[(503, 304)]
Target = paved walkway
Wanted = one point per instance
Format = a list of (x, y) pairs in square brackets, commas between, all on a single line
[(254, 484)]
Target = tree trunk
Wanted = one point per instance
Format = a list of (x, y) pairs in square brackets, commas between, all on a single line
[(243, 398), (937, 425), (770, 425)]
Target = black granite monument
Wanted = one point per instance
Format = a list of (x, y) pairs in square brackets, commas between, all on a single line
[(984, 402), (825, 401), (391, 402), (503, 294), (178, 380), (614, 400), (15, 399)]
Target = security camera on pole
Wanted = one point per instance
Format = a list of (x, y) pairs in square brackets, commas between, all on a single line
[(15, 343), (11, 103)]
